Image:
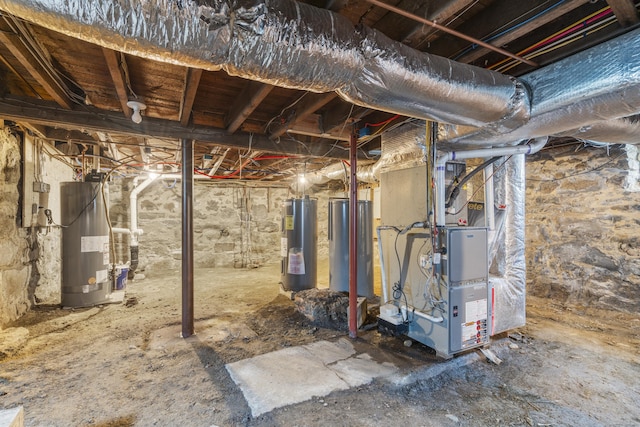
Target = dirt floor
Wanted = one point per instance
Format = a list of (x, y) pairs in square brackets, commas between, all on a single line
[(125, 365)]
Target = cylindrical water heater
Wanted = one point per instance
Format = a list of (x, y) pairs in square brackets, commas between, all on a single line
[(339, 246), (299, 244), (85, 245)]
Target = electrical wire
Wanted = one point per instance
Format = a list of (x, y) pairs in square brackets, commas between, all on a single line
[(268, 125), (586, 25), (481, 186), (504, 29)]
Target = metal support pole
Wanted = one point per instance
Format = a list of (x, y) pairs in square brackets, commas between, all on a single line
[(187, 237), (353, 237)]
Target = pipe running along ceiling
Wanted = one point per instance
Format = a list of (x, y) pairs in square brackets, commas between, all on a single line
[(294, 45)]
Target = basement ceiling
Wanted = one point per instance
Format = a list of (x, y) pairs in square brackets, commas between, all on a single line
[(74, 94)]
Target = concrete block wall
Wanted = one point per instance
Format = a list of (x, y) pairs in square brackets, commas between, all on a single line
[(583, 227)]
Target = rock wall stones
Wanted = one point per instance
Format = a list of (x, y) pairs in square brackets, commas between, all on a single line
[(234, 225), (583, 223), (14, 251)]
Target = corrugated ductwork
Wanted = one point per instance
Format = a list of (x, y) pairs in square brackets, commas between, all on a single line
[(399, 79), (402, 147), (620, 131), (284, 43), (598, 84), (508, 273)]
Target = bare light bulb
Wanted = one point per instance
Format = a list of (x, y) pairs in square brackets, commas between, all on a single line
[(137, 107)]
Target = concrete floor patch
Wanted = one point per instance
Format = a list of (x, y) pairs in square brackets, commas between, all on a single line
[(297, 374)]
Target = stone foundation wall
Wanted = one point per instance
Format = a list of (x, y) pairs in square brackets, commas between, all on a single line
[(234, 226), (583, 227), (15, 269)]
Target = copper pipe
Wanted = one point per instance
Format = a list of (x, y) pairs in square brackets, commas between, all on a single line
[(353, 236), (451, 31)]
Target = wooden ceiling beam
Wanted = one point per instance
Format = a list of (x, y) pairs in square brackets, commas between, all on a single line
[(93, 119), (625, 11), (114, 59), (524, 30), (191, 83), (340, 118), (441, 12), (33, 65), (312, 126), (249, 99), (312, 103)]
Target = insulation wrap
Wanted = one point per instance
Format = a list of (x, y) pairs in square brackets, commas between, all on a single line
[(620, 131), (507, 275), (293, 45), (402, 147), (402, 80), (598, 84)]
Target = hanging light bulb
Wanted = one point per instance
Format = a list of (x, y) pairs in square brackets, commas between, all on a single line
[(137, 107)]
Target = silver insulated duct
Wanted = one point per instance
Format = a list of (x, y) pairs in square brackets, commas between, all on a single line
[(294, 45), (401, 148), (288, 44), (579, 92)]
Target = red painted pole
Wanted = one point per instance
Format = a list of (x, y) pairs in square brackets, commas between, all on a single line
[(353, 237)]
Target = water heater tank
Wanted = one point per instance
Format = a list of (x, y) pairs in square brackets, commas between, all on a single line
[(85, 245), (339, 246), (299, 244)]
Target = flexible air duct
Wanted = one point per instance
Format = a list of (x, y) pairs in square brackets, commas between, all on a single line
[(288, 44), (598, 84), (620, 131), (294, 45), (401, 147)]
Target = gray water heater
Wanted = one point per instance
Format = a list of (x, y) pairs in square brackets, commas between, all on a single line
[(339, 246), (85, 245), (299, 244)]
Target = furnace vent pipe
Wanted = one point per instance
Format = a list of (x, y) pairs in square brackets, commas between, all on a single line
[(293, 45), (473, 154)]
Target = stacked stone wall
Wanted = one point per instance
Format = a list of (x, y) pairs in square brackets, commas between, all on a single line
[(583, 226), (234, 225), (14, 249)]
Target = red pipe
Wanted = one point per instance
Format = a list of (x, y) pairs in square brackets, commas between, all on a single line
[(384, 122), (353, 237), (567, 32), (243, 164)]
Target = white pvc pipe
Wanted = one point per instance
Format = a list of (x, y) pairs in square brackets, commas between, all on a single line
[(133, 208), (418, 313), (489, 208), (117, 230), (474, 154)]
